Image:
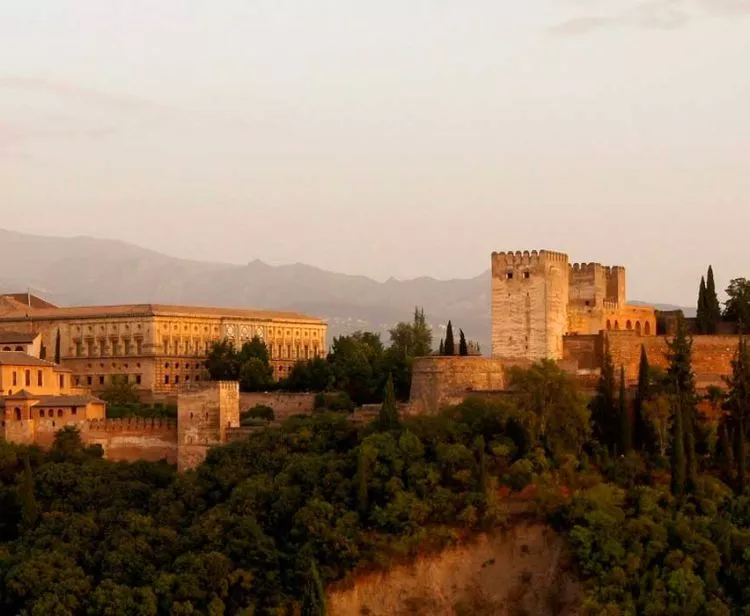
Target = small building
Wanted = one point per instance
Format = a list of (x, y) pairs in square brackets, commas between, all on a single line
[(22, 342)]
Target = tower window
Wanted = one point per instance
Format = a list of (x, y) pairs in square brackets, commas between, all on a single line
[(510, 275), (526, 275)]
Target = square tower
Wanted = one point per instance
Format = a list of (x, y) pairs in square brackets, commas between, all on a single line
[(530, 292)]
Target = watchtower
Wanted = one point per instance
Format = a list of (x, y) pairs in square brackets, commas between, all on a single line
[(530, 292), (204, 413)]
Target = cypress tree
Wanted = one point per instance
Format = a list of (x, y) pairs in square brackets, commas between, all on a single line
[(57, 347), (626, 428), (313, 596), (463, 348), (450, 345), (713, 308), (677, 482), (482, 484), (43, 352), (642, 438), (29, 506), (683, 390), (363, 497), (603, 406), (441, 349), (388, 418), (739, 406), (701, 314)]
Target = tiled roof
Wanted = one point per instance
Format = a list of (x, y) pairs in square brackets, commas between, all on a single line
[(47, 401), (22, 395), (18, 358), (129, 310), (17, 337)]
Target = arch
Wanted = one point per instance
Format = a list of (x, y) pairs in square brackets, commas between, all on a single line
[(41, 413), (629, 325), (638, 327), (647, 328), (19, 348), (617, 325), (18, 413), (51, 413), (609, 324), (6, 348), (59, 412)]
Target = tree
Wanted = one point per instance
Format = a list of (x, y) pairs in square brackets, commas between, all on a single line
[(43, 352), (450, 345), (680, 373), (658, 413), (441, 348), (422, 334), (119, 392), (254, 348), (463, 349), (701, 314), (738, 402), (388, 417), (737, 306), (255, 375), (626, 428), (314, 597), (222, 362), (641, 432), (482, 481), (29, 506), (712, 307), (57, 347), (604, 409), (677, 465), (309, 375), (363, 502), (356, 362)]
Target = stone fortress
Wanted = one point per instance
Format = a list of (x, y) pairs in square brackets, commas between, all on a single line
[(544, 307)]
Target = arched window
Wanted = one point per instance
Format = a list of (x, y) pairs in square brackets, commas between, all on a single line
[(638, 327), (617, 325), (647, 329), (609, 324), (59, 412), (18, 413), (19, 348), (7, 348), (51, 413), (41, 413), (628, 325)]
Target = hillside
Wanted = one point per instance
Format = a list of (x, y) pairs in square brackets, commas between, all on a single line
[(85, 270)]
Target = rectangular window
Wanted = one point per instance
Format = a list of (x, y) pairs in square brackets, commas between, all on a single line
[(15, 378), (101, 379), (137, 379), (166, 346), (79, 349), (176, 379), (102, 347), (89, 380), (166, 379), (90, 348), (73, 410), (126, 345), (62, 381), (115, 348), (28, 378), (39, 379), (77, 380), (138, 346)]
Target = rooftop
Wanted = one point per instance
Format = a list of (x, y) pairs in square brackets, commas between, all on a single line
[(15, 312), (18, 358), (17, 337)]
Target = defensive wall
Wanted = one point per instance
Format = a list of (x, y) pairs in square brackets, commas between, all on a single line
[(440, 381), (134, 438), (284, 405)]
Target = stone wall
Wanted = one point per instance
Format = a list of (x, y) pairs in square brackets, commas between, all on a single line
[(134, 438), (712, 355), (439, 381), (585, 352), (284, 405)]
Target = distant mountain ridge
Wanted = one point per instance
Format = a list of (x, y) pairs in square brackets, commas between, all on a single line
[(85, 270)]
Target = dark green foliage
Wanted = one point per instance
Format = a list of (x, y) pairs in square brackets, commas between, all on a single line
[(222, 362), (441, 349), (57, 347), (309, 375), (737, 306), (463, 349), (250, 365), (413, 339), (684, 400), (154, 411), (482, 479), (119, 392), (604, 408), (449, 347), (336, 402), (626, 426), (701, 313), (713, 308), (738, 404), (313, 598), (388, 418), (677, 460), (258, 412), (363, 501), (29, 507), (642, 435), (43, 352)]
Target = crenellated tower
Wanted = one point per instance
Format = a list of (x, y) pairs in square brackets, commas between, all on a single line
[(530, 292)]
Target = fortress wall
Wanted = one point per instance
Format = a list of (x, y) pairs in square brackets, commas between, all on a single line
[(134, 438), (437, 381), (284, 405), (585, 352), (712, 355), (588, 283)]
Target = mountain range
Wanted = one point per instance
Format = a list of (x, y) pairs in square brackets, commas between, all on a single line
[(86, 270)]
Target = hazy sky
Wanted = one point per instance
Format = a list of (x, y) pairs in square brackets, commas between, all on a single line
[(397, 137)]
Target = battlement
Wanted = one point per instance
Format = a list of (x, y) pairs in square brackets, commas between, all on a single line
[(586, 268), (514, 259), (129, 424)]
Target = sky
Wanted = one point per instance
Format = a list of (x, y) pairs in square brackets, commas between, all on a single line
[(386, 138)]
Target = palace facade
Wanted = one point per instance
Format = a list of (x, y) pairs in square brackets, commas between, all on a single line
[(158, 348)]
